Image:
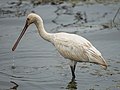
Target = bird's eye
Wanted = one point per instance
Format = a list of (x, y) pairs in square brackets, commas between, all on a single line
[(28, 19)]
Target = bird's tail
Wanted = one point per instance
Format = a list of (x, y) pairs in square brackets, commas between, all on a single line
[(101, 61), (98, 59), (103, 64)]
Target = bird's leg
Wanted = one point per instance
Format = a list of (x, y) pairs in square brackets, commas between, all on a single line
[(73, 73), (72, 85), (73, 66)]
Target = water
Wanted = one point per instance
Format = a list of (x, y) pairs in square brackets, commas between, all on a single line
[(13, 62), (36, 64)]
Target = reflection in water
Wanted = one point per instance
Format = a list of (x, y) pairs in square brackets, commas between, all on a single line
[(72, 85), (15, 85)]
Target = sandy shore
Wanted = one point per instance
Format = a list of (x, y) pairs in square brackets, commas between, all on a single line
[(38, 66)]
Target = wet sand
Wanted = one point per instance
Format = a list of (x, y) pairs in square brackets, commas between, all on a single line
[(36, 63)]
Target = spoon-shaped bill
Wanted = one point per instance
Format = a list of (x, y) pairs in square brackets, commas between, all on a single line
[(21, 35)]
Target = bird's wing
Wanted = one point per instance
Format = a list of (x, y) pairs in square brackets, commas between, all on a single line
[(71, 46)]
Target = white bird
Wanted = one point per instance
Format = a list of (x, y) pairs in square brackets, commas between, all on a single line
[(70, 46)]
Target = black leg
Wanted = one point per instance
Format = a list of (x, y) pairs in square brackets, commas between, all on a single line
[(73, 66), (72, 85), (73, 72)]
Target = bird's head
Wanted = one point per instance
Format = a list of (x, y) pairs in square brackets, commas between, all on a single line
[(31, 18)]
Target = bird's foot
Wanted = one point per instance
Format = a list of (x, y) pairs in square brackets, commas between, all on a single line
[(72, 85)]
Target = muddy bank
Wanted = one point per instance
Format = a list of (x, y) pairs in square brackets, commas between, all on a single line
[(18, 8)]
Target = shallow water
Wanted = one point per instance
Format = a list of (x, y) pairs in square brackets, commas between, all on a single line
[(36, 64)]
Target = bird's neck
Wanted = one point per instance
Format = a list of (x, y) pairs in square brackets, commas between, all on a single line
[(41, 30)]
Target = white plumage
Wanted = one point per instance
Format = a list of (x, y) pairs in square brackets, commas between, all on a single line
[(77, 48), (70, 46)]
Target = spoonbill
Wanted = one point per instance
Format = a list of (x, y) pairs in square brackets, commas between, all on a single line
[(70, 46)]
